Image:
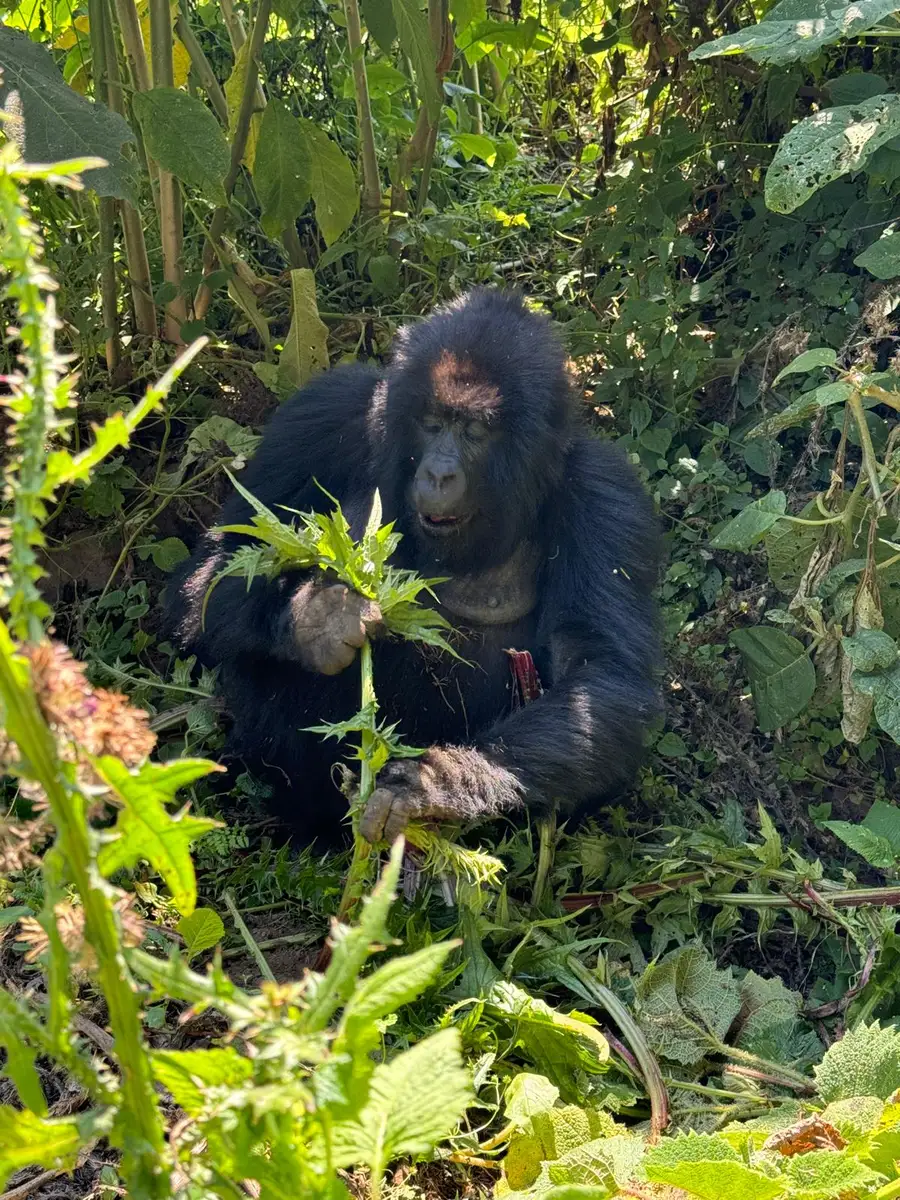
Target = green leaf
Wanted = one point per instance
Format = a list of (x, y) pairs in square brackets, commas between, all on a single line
[(802, 409), (670, 745), (168, 553), (418, 46), (384, 271), (378, 16), (824, 356), (870, 649), (769, 1023), (781, 674), (51, 123), (28, 1141), (188, 1074), (182, 135), (877, 851), (559, 1045), (751, 523), (476, 145), (282, 171), (332, 182), (827, 145), (396, 983), (527, 1095), (305, 351), (145, 830), (466, 13), (712, 1180), (798, 29), (882, 258), (16, 1037), (855, 86), (685, 1005), (826, 1175), (885, 687), (202, 930), (413, 1103), (864, 1062)]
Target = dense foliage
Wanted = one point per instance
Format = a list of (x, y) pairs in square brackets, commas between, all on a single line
[(696, 993)]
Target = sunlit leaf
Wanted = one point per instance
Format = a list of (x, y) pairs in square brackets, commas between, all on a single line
[(183, 136)]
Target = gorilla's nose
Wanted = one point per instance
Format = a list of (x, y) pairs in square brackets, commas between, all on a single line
[(440, 489)]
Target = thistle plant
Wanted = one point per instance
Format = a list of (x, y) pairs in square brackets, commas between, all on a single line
[(324, 542)]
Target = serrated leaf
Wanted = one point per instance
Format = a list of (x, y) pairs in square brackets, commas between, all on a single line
[(826, 1175), (557, 1044), (825, 146), (685, 1005), (751, 523), (282, 171), (882, 258), (144, 829), (809, 360), (15, 1027), (332, 182), (305, 351), (769, 1023), (414, 1102), (51, 123), (202, 930), (418, 46), (714, 1180), (396, 983), (29, 1141), (781, 674), (865, 1062), (183, 136), (187, 1074), (797, 29), (601, 1166)]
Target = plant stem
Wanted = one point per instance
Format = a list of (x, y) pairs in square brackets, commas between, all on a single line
[(358, 871), (370, 203), (870, 459), (171, 216), (202, 66), (249, 941), (141, 1132), (107, 205)]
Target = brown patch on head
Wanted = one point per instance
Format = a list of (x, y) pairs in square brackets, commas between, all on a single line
[(459, 385)]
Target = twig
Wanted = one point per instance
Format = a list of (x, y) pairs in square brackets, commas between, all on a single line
[(289, 939), (245, 933), (31, 1185)]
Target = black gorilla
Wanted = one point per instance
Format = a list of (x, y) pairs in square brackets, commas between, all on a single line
[(472, 437)]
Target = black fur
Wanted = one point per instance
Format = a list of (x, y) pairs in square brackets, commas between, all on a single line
[(545, 478)]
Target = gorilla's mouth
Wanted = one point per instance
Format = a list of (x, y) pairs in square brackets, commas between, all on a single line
[(440, 525)]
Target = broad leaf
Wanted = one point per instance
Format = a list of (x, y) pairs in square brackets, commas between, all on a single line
[(607, 1163), (390, 987), (29, 1141), (305, 351), (202, 930), (332, 182), (803, 408), (865, 1062), (378, 16), (418, 46), (183, 136), (824, 1174), (188, 1074), (885, 687), (823, 356), (870, 649), (751, 523), (877, 838), (882, 258), (473, 145), (769, 1023), (145, 829), (281, 169), (798, 29), (855, 86), (685, 1005), (50, 122), (827, 145), (781, 674), (414, 1102), (528, 1095)]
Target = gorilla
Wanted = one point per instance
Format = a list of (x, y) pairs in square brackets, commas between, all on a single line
[(548, 541)]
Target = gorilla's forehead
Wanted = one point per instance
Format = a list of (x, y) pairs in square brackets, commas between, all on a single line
[(459, 385)]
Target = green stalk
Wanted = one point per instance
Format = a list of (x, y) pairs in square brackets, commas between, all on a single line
[(140, 1130), (358, 873), (870, 459)]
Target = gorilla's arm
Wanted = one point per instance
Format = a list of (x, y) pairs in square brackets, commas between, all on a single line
[(583, 736), (318, 436)]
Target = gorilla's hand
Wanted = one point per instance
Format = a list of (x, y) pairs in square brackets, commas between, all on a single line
[(449, 783), (328, 624)]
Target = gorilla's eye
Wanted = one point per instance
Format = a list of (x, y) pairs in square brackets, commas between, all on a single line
[(477, 431), (431, 425)]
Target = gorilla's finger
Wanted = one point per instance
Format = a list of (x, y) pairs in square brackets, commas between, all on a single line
[(397, 821), (372, 822)]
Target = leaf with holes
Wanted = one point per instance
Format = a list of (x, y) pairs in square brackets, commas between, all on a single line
[(796, 30), (50, 122), (827, 145), (183, 136), (781, 674)]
